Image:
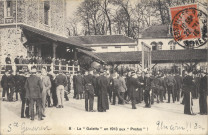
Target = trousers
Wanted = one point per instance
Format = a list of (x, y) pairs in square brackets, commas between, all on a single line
[(60, 94), (31, 107), (89, 100)]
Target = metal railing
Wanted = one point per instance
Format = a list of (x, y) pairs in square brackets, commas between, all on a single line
[(72, 69)]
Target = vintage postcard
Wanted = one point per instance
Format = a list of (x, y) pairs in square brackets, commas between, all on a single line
[(124, 67)]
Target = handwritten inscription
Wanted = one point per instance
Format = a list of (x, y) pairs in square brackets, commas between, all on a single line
[(176, 127), (25, 128)]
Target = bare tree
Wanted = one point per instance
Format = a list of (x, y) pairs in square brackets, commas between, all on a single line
[(72, 26)]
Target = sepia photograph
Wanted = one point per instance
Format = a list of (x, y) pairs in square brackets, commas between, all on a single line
[(103, 67)]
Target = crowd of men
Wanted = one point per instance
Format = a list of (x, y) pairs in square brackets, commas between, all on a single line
[(37, 60), (49, 89)]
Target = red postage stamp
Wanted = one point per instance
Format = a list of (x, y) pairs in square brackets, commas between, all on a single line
[(188, 25)]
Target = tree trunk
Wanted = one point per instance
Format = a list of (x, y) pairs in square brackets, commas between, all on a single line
[(161, 13)]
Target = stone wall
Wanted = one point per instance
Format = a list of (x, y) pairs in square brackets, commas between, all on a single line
[(10, 41), (31, 12), (1, 12)]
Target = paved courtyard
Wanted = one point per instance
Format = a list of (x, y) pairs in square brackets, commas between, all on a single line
[(162, 118)]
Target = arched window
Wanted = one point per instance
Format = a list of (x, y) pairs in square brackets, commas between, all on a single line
[(172, 44), (159, 46), (154, 45)]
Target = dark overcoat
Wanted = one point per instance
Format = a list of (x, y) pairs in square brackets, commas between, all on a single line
[(102, 93), (33, 87)]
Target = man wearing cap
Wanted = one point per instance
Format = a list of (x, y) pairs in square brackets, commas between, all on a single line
[(4, 84), (34, 88), (133, 88), (89, 91), (203, 94), (103, 104), (61, 83)]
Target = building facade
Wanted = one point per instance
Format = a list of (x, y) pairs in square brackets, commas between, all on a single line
[(46, 15), (107, 43)]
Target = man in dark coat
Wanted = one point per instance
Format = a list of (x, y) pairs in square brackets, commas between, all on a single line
[(74, 86), (187, 89), (170, 87), (89, 91), (79, 86), (103, 104), (127, 93), (34, 88), (203, 94), (142, 80), (16, 61), (133, 88), (5, 86), (156, 87), (110, 86), (95, 82), (8, 61), (116, 91), (162, 87), (147, 88), (22, 80), (178, 86), (18, 87), (11, 84)]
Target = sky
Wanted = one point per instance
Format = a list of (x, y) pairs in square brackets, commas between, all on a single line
[(71, 6)]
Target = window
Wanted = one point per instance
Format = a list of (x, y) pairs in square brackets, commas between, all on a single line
[(172, 47), (8, 8), (46, 12), (104, 47), (154, 47), (159, 47)]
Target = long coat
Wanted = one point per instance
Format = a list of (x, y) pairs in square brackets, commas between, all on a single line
[(187, 89), (79, 84), (179, 80), (4, 81), (33, 87), (102, 93), (203, 95), (88, 84), (133, 85)]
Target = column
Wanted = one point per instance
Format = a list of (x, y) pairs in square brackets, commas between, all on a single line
[(54, 49), (142, 57)]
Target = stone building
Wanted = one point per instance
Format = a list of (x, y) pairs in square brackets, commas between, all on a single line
[(44, 15)]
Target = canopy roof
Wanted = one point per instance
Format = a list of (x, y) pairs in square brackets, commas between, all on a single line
[(34, 35), (159, 56)]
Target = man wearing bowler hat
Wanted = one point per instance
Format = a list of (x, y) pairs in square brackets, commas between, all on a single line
[(34, 88)]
